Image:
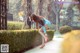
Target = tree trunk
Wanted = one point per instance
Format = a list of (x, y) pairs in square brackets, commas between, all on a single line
[(27, 7), (56, 8), (40, 6)]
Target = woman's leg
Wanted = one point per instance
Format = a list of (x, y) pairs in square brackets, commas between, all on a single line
[(41, 32), (43, 38), (43, 42), (44, 35), (46, 38)]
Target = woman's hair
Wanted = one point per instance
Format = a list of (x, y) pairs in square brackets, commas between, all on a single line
[(37, 19)]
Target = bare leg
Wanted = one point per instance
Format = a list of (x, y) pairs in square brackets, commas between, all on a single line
[(42, 34), (44, 38), (43, 43)]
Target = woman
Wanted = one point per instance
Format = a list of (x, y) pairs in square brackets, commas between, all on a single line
[(45, 24)]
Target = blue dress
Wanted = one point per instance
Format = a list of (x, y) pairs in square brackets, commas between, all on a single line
[(46, 22)]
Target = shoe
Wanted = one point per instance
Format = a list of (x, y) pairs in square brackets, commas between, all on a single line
[(42, 46)]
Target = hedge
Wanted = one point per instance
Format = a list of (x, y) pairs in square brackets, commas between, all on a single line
[(65, 29), (71, 42), (13, 25), (22, 39)]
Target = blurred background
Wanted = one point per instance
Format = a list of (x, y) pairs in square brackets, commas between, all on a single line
[(68, 11)]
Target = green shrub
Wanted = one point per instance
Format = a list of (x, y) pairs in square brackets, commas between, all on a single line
[(65, 29), (14, 25), (21, 39)]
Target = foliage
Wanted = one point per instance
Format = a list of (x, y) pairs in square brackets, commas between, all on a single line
[(14, 7), (65, 29), (15, 25), (22, 39), (71, 43)]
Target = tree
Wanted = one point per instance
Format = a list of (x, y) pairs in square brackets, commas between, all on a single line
[(70, 15), (78, 5), (27, 7), (40, 6), (57, 5), (51, 13)]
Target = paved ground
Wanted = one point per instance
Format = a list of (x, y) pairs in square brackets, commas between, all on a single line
[(53, 46)]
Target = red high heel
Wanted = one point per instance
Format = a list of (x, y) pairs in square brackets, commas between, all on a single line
[(42, 46)]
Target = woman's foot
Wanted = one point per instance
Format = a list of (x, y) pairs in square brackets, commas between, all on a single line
[(42, 46)]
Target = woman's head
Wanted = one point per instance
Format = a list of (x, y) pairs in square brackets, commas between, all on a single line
[(37, 19), (34, 17)]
